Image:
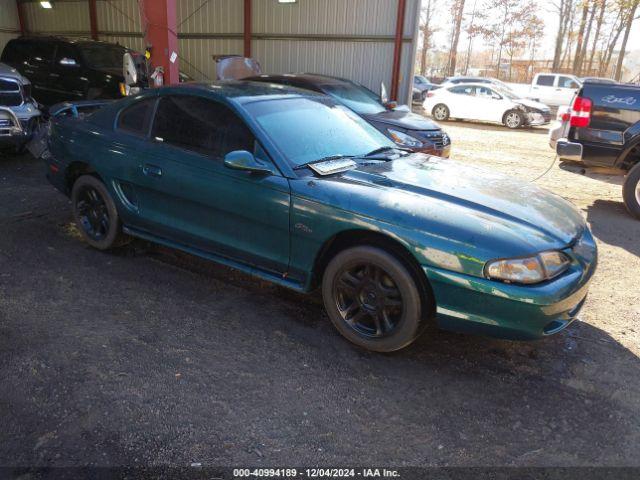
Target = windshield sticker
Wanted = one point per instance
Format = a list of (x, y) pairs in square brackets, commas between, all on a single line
[(332, 166), (620, 100)]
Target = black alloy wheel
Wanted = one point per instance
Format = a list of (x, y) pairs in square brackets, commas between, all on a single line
[(368, 300), (376, 298), (93, 214)]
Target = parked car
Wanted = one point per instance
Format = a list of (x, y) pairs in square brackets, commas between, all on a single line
[(61, 69), (420, 88), (554, 89), (19, 113), (487, 103), (295, 188), (406, 129), (603, 130)]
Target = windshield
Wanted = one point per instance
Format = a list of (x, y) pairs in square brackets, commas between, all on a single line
[(506, 92), (99, 55), (309, 129), (357, 98)]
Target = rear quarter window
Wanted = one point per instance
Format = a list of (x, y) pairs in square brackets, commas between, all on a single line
[(136, 118)]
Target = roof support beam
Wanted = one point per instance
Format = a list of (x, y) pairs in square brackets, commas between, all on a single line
[(93, 19), (397, 51), (23, 26), (160, 21), (247, 28)]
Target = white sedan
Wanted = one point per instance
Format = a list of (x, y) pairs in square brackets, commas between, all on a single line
[(485, 103)]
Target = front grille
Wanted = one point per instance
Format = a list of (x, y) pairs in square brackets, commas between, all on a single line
[(436, 137)]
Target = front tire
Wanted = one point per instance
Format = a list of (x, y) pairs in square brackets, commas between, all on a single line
[(373, 300), (631, 191), (95, 214), (513, 119), (440, 112)]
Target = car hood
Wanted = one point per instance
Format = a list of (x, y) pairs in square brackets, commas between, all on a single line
[(404, 120), (438, 195), (532, 104)]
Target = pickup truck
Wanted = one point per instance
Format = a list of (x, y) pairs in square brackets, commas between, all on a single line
[(554, 89), (602, 129)]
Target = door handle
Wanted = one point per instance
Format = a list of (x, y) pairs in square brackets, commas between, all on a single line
[(152, 170)]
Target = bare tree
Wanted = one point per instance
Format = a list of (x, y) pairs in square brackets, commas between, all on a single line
[(580, 37), (565, 16), (457, 11), (426, 16), (602, 4), (581, 53), (630, 18)]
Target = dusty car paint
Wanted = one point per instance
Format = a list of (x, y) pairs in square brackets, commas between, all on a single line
[(451, 218)]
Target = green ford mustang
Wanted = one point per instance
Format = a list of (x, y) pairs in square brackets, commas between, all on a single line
[(291, 187)]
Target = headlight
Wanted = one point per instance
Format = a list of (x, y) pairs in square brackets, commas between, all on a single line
[(403, 139), (536, 269)]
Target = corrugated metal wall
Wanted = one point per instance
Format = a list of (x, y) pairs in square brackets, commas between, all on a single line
[(9, 23), (347, 38)]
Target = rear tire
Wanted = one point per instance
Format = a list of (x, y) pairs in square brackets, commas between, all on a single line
[(373, 300), (95, 214), (513, 119), (440, 112), (631, 191)]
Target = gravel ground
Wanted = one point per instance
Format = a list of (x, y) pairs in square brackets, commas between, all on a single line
[(152, 357)]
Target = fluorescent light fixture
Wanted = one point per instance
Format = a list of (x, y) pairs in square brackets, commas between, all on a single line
[(287, 1), (46, 5)]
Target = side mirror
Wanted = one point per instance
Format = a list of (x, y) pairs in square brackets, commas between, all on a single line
[(68, 62), (245, 161), (129, 70), (384, 95), (495, 96)]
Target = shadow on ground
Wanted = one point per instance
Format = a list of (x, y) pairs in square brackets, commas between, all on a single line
[(613, 224)]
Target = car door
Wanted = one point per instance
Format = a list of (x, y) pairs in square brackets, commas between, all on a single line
[(37, 67), (489, 104), (460, 100), (188, 195), (67, 79), (544, 88)]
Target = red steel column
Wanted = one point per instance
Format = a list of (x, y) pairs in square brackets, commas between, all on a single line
[(247, 28), (397, 51), (160, 22), (23, 26), (93, 19)]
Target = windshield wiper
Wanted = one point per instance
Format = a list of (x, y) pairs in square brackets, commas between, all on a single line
[(324, 159), (380, 150)]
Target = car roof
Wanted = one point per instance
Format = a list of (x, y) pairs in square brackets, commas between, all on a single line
[(470, 84), (56, 38), (241, 91), (310, 78)]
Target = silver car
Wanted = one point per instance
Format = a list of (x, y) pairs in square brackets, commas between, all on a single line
[(19, 112)]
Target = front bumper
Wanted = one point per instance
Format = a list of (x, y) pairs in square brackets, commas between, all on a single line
[(444, 151), (481, 306), (11, 128), (538, 118)]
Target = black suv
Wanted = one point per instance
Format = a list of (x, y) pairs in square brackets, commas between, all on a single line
[(60, 69)]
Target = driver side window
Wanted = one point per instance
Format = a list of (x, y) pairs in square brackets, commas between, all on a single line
[(200, 125)]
